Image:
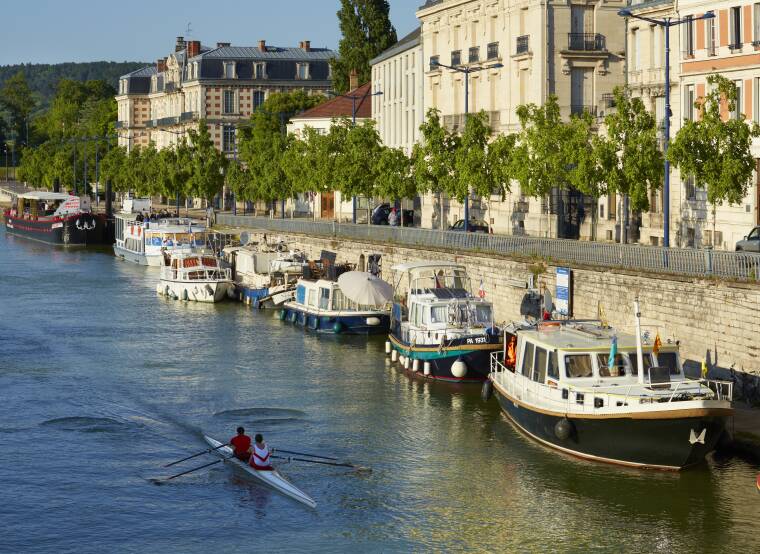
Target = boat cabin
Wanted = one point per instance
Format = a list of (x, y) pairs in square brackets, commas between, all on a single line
[(154, 235), (433, 300), (194, 267), (325, 296), (45, 205), (578, 354)]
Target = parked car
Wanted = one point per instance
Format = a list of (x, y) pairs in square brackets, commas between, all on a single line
[(750, 243), (474, 226), (382, 211)]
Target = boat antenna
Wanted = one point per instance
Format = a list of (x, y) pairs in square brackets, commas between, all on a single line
[(639, 351)]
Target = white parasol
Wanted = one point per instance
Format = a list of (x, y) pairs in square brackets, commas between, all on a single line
[(365, 289)]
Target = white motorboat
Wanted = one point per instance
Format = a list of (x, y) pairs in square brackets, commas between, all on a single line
[(272, 478), (197, 277), (265, 275), (152, 242)]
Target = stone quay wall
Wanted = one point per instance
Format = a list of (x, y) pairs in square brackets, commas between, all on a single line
[(715, 321)]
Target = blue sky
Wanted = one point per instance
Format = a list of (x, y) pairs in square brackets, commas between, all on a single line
[(46, 31)]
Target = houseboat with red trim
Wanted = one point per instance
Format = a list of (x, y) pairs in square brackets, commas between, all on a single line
[(57, 218)]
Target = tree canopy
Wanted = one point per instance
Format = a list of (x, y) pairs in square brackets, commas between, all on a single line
[(367, 31)]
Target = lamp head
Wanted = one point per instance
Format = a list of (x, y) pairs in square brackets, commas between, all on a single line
[(709, 15), (624, 13), (496, 66), (435, 63)]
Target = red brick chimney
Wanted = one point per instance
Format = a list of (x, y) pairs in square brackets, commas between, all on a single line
[(193, 48), (262, 46), (306, 45), (353, 80), (161, 65)]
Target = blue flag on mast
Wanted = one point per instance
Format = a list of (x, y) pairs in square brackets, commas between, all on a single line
[(613, 353)]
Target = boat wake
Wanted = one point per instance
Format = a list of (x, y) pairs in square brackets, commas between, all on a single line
[(273, 413), (86, 424)]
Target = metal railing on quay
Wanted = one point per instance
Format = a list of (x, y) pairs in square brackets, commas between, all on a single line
[(675, 261)]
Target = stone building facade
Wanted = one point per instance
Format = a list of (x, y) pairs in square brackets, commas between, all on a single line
[(574, 50), (223, 85)]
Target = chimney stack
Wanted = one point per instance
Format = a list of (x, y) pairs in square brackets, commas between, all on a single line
[(262, 46), (353, 80), (222, 44), (193, 48), (180, 44), (161, 65), (306, 45)]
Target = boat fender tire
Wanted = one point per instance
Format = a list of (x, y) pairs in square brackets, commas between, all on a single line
[(184, 294), (486, 391), (283, 314), (564, 429), (338, 327)]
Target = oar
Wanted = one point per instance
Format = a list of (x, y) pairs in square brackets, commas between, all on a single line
[(338, 464), (196, 455), (306, 454), (159, 481)]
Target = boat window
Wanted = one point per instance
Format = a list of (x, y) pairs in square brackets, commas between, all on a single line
[(191, 262), (483, 315), (209, 261), (620, 368), (578, 365), (425, 315), (527, 364), (313, 298), (324, 298), (440, 314), (539, 367), (553, 369), (669, 360), (417, 315), (339, 301)]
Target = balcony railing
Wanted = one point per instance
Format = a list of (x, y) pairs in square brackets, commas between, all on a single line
[(188, 116), (579, 109), (522, 45), (493, 50), (587, 42)]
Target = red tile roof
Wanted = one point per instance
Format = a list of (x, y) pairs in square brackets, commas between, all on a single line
[(341, 106)]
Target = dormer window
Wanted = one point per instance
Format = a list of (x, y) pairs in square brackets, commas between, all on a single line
[(260, 70), (122, 86), (229, 70), (302, 71)]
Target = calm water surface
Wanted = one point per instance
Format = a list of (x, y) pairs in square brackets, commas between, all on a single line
[(102, 382)]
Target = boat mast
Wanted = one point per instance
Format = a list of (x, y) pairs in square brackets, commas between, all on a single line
[(639, 351)]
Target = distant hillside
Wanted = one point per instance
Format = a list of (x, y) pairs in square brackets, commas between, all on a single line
[(43, 78)]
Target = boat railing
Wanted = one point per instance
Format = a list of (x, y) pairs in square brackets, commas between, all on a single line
[(572, 398), (196, 273)]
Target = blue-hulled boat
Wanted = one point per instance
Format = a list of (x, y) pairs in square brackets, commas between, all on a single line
[(321, 306), (438, 327)]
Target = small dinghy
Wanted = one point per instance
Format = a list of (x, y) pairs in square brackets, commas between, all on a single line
[(272, 478)]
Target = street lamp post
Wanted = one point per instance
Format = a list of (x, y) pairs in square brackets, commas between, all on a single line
[(466, 70), (5, 149), (354, 98), (666, 23)]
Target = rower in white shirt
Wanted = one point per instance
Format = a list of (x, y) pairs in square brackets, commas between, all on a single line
[(260, 455)]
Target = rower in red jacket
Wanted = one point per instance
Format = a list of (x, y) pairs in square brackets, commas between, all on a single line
[(242, 445), (260, 457)]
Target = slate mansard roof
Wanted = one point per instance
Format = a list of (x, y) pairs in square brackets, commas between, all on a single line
[(281, 66), (410, 41)]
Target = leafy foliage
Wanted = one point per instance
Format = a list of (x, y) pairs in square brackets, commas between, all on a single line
[(630, 154), (207, 164), (17, 100), (367, 31), (716, 152)]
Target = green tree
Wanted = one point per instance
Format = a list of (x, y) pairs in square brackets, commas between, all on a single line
[(716, 152), (433, 159), (367, 31), (539, 160), (355, 169), (113, 167), (500, 162), (17, 100), (629, 153), (472, 171), (287, 104), (207, 163), (395, 178)]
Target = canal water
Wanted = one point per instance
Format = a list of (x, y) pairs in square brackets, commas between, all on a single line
[(102, 382)]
